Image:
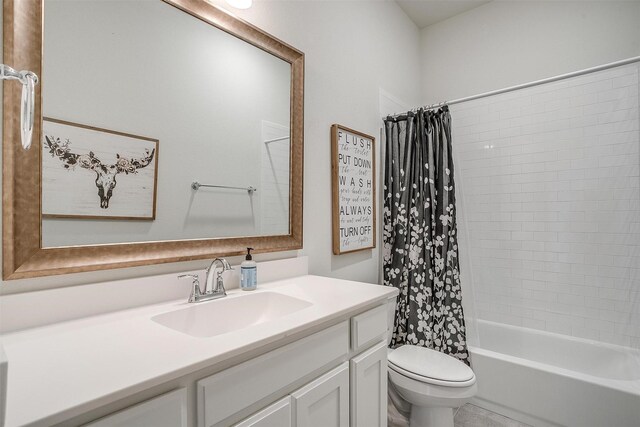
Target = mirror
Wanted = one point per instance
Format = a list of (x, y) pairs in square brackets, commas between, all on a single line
[(145, 82), (168, 129)]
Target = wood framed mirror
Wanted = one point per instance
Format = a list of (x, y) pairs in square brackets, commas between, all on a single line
[(25, 228)]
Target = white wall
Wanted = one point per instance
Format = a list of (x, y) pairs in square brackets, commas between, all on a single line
[(505, 43), (352, 50)]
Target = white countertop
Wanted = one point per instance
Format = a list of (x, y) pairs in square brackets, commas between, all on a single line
[(63, 370)]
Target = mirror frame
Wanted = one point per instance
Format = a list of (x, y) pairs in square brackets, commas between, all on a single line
[(23, 254)]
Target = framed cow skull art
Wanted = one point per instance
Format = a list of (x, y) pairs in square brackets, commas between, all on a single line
[(94, 173)]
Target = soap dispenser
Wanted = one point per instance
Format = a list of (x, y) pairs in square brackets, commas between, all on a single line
[(248, 273)]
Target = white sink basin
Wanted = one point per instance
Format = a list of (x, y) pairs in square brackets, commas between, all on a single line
[(208, 319)]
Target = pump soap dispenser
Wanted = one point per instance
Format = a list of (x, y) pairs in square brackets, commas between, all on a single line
[(248, 273)]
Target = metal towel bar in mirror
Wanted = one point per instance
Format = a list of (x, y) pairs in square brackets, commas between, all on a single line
[(29, 80), (195, 185)]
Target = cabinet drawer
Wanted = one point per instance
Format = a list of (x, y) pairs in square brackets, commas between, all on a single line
[(228, 392), (168, 410), (275, 415), (368, 327)]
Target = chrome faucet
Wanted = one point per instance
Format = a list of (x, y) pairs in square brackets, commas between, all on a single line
[(211, 270), (197, 294)]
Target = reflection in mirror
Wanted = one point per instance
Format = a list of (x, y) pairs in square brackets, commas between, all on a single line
[(142, 99)]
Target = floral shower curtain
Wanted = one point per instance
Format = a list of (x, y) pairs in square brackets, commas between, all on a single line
[(420, 240)]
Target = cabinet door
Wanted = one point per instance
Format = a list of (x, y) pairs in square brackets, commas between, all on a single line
[(168, 410), (369, 388), (275, 415), (325, 401)]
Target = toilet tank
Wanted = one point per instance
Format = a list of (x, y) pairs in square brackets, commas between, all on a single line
[(391, 316)]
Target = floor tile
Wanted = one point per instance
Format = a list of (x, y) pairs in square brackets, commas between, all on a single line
[(473, 416)]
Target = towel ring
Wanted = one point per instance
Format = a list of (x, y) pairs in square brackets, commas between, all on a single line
[(29, 81)]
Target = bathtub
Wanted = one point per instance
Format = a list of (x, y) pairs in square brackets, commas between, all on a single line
[(547, 379)]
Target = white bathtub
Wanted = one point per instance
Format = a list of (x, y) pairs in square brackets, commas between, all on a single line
[(546, 379)]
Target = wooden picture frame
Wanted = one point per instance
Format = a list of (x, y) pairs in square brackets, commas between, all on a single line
[(62, 158), (23, 254), (353, 178)]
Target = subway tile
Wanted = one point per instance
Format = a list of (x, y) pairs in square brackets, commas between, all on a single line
[(622, 340), (598, 108), (522, 197), (628, 329), (522, 216), (584, 99), (588, 270), (533, 226), (614, 294), (544, 256), (626, 80), (610, 95), (545, 236), (626, 306), (613, 316), (615, 272), (522, 235), (572, 154), (534, 167), (584, 332), (534, 323), (600, 87), (572, 174), (600, 325), (599, 304), (582, 248), (587, 291), (599, 259)]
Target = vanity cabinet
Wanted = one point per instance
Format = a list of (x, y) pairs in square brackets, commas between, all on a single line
[(336, 377)]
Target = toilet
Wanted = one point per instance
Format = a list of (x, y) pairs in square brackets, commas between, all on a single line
[(427, 383)]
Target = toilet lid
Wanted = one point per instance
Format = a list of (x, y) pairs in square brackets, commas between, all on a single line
[(428, 363)]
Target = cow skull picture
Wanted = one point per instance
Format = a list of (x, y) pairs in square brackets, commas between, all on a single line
[(105, 173)]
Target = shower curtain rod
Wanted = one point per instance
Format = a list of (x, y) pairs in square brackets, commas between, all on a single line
[(530, 84)]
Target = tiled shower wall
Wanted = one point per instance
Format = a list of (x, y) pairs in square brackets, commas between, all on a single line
[(549, 178)]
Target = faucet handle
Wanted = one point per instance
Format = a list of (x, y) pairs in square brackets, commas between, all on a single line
[(195, 287)]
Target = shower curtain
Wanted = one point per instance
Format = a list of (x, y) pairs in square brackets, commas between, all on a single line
[(420, 242)]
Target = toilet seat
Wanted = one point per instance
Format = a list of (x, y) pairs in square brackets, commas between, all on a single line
[(430, 366)]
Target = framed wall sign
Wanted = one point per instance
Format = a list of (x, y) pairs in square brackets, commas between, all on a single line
[(94, 173), (354, 190)]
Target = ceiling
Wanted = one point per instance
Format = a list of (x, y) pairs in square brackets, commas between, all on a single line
[(427, 12)]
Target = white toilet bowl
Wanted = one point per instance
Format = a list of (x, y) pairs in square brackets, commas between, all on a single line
[(433, 383), (425, 382)]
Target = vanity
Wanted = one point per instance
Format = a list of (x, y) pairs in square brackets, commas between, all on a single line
[(303, 351)]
